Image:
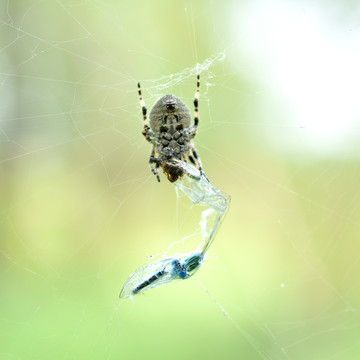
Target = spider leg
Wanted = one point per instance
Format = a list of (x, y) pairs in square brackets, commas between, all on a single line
[(146, 130), (195, 159), (196, 108), (152, 161), (157, 171), (196, 102), (192, 160)]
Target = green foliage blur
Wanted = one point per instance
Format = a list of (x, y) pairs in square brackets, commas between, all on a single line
[(80, 209)]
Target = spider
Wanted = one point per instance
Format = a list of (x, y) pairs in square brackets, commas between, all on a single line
[(170, 133)]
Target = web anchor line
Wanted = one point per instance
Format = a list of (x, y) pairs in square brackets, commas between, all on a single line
[(195, 185)]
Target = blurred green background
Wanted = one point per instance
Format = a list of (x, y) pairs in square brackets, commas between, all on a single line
[(80, 210)]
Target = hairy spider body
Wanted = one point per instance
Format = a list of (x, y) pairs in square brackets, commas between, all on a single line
[(169, 121), (170, 132)]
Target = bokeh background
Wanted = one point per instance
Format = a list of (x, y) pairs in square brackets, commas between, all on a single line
[(80, 211)]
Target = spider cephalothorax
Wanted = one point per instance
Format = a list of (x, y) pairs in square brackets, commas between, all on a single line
[(171, 134)]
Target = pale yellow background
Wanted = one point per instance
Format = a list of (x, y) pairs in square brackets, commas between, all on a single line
[(80, 210)]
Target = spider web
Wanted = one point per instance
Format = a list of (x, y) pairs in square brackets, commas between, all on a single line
[(80, 209)]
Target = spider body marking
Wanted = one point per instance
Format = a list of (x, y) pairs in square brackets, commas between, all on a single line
[(171, 133)]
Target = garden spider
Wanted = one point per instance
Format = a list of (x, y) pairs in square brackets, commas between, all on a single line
[(170, 133)]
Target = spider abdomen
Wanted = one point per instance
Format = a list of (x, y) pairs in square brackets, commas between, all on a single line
[(172, 148), (170, 131), (168, 113)]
